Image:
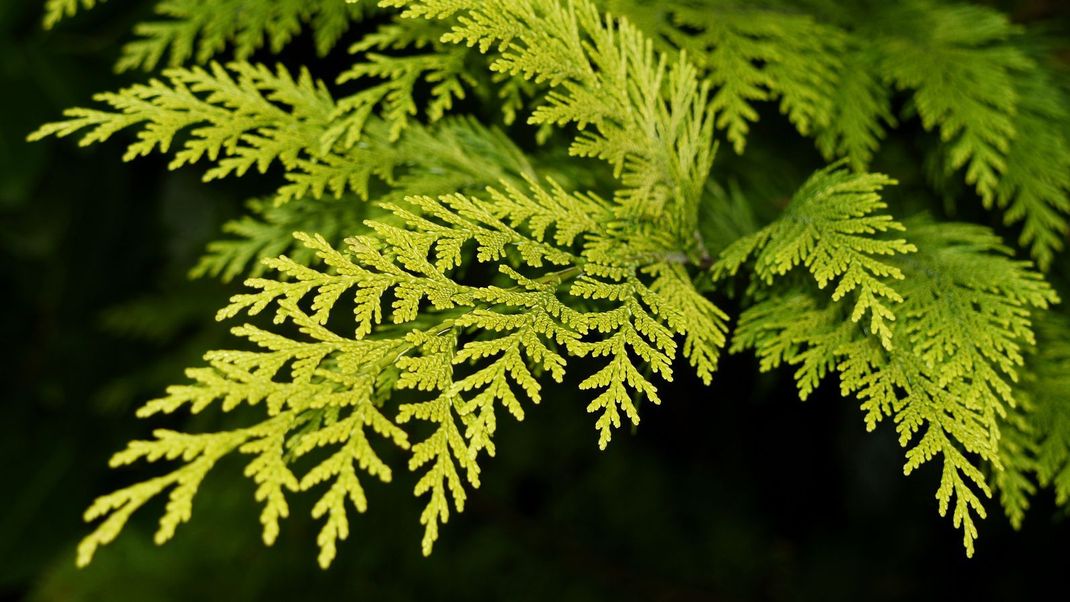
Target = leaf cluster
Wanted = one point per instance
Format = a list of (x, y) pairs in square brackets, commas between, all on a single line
[(501, 196)]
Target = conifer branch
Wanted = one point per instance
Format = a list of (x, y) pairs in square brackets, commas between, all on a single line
[(477, 273), (949, 382)]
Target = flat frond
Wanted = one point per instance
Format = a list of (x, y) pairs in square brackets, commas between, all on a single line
[(248, 116), (702, 323), (417, 273), (645, 115), (755, 54), (948, 383), (1035, 188), (239, 117), (398, 77), (1045, 423), (961, 68), (829, 227), (468, 349), (861, 108), (267, 232), (57, 10), (200, 30)]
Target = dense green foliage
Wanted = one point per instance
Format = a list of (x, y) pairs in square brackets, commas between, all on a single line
[(496, 197)]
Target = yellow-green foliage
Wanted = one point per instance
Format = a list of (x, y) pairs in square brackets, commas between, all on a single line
[(948, 382), (470, 348), (1037, 440), (484, 268), (202, 29), (833, 67), (827, 227), (56, 10)]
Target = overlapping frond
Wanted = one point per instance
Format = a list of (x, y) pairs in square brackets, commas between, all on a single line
[(861, 108), (636, 109), (398, 77), (956, 61), (1035, 189), (200, 30), (1035, 448), (703, 324), (470, 348), (756, 53), (478, 274), (458, 154), (961, 332), (835, 71), (1048, 387), (962, 66), (237, 118), (267, 231), (1014, 480), (829, 227), (248, 116)]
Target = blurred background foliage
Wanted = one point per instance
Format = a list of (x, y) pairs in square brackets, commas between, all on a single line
[(732, 492)]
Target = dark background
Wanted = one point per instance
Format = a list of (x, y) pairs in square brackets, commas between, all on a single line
[(731, 492)]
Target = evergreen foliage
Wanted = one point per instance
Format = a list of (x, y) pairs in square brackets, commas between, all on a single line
[(457, 250), (962, 326)]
